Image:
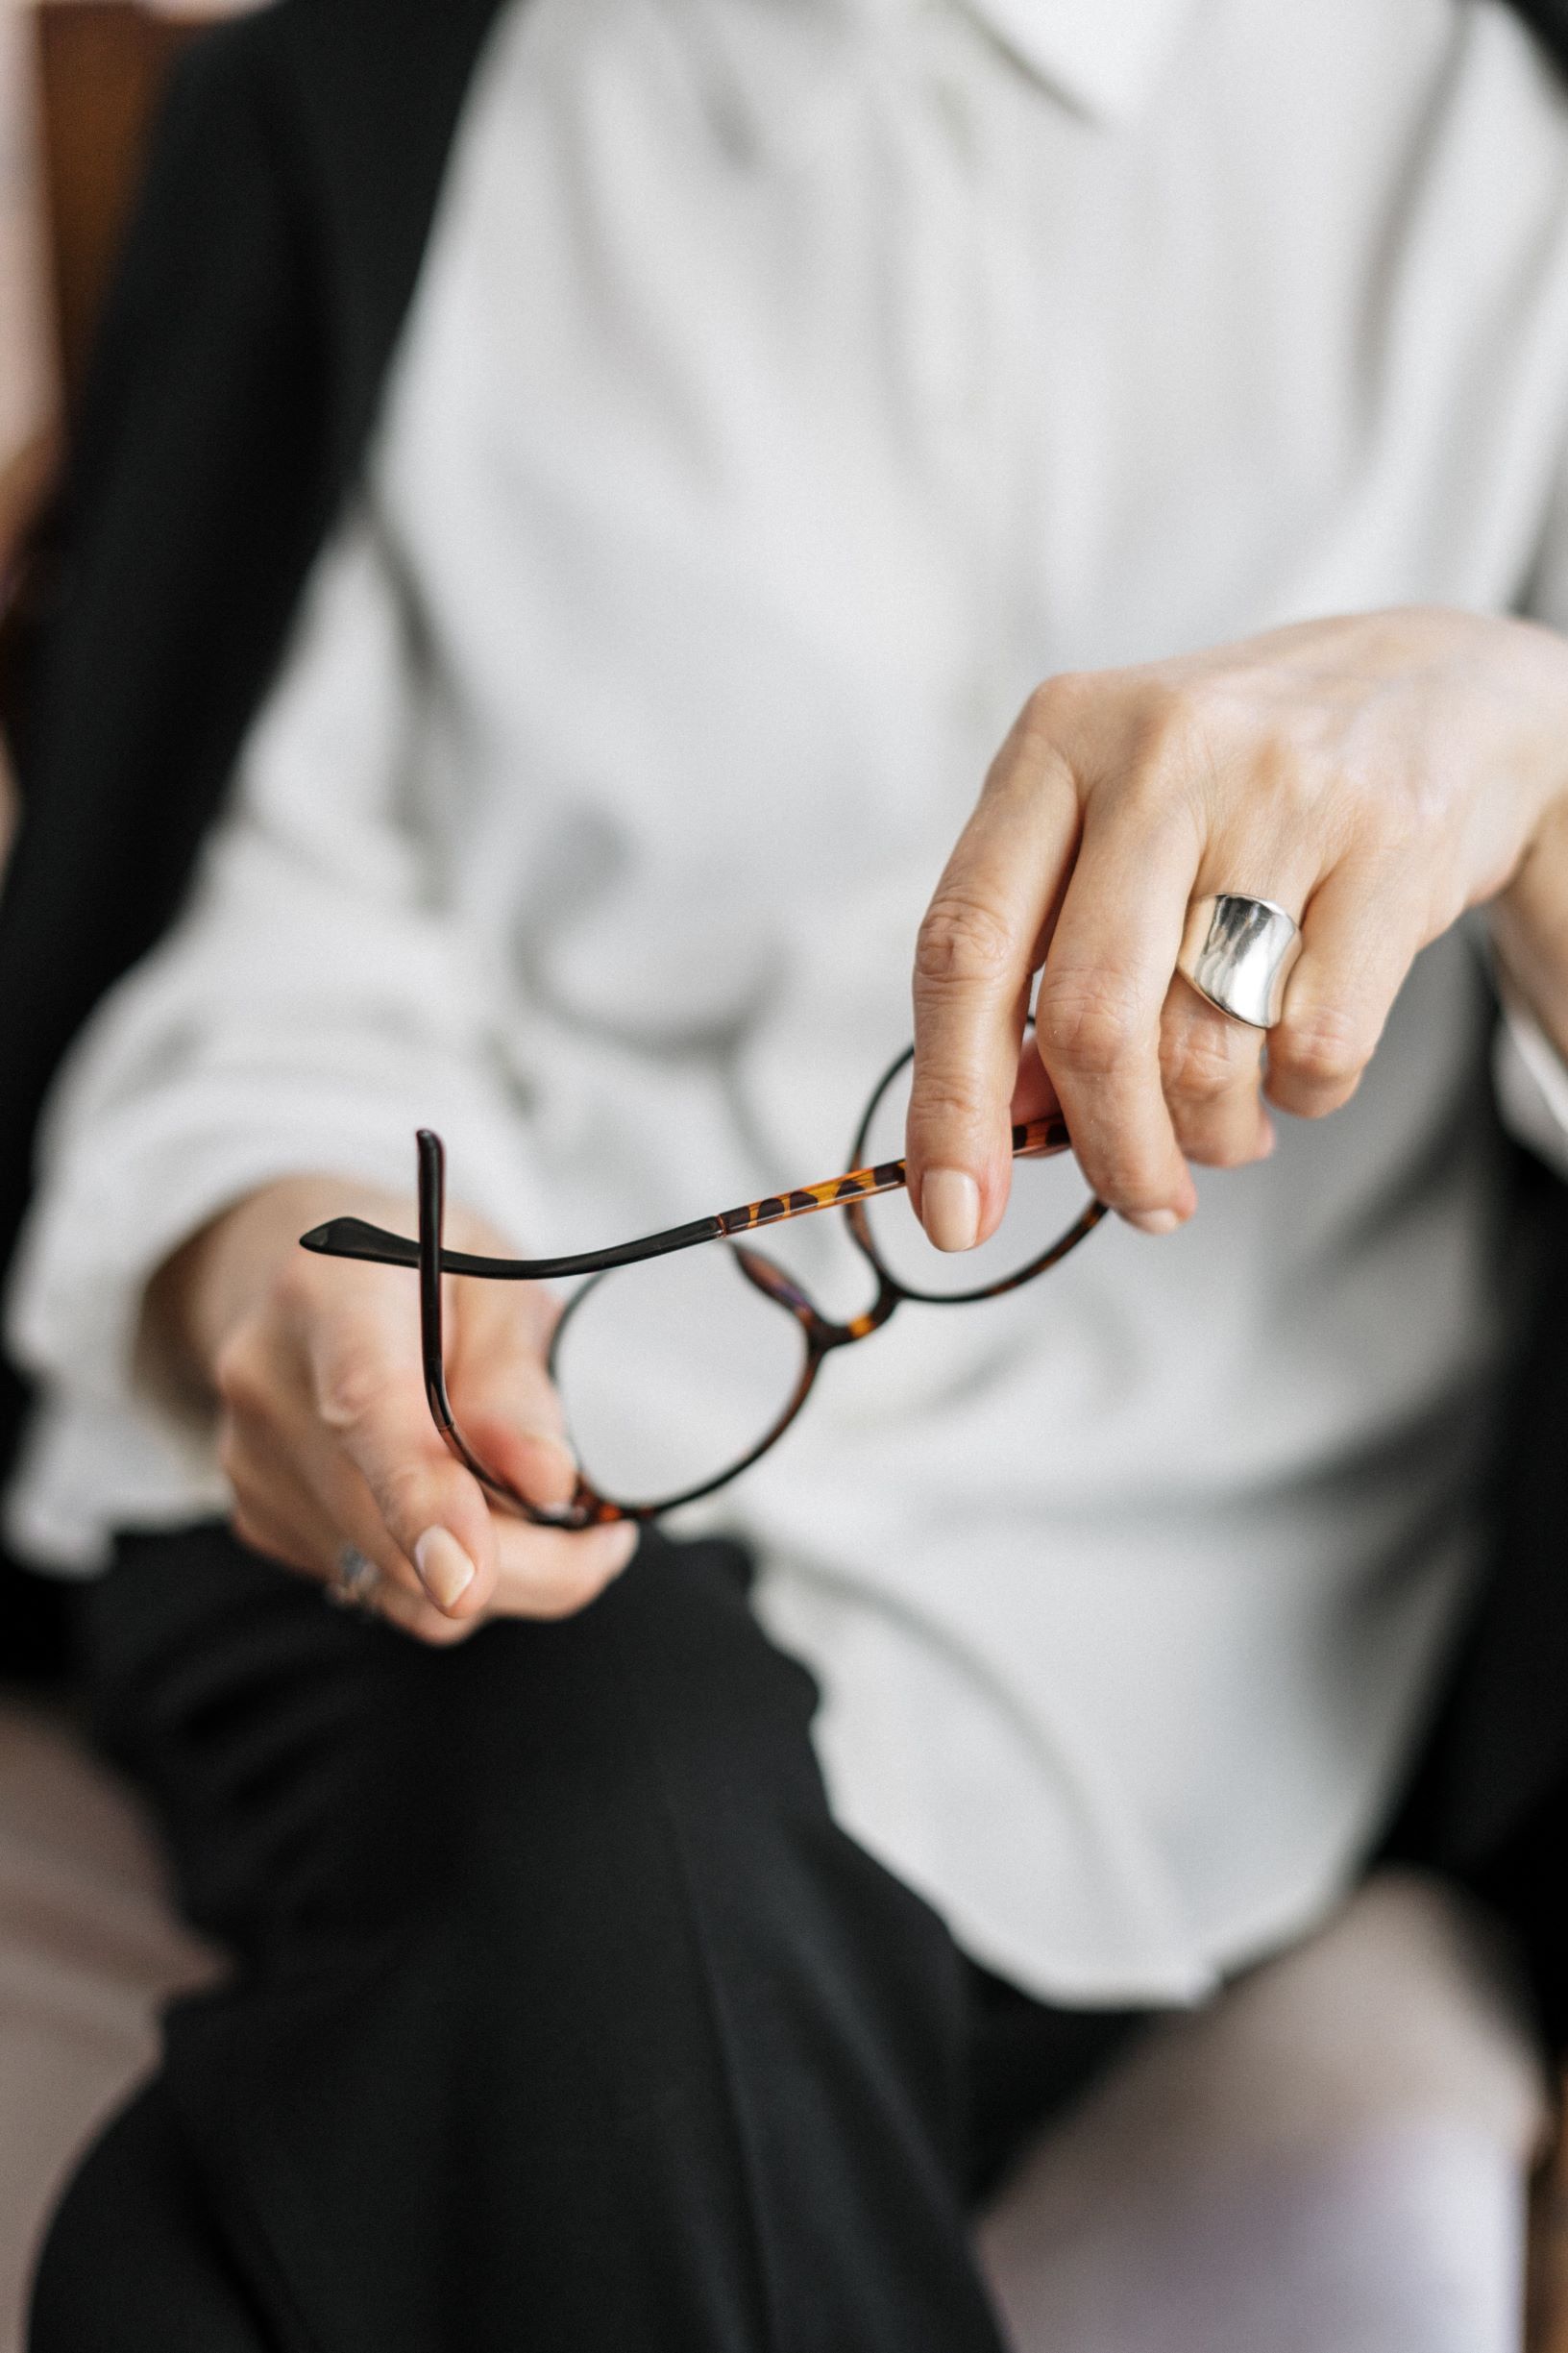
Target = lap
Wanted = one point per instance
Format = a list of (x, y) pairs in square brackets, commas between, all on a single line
[(305, 1761), (581, 1875), (135, 2223), (556, 1974)]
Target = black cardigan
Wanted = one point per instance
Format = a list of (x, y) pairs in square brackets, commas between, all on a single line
[(237, 375)]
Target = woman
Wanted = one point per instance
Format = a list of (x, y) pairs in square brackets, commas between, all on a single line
[(782, 399)]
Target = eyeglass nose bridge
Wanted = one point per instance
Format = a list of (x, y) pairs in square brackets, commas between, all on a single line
[(765, 1275), (823, 1335)]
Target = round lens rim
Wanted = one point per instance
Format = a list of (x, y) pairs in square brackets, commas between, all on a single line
[(860, 1224), (813, 1352)]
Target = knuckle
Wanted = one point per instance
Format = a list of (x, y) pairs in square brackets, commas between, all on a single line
[(1318, 1047), (1054, 706), (1200, 1064), (1282, 775), (962, 940), (1088, 1021), (351, 1387), (1173, 732), (937, 1106), (241, 1372)]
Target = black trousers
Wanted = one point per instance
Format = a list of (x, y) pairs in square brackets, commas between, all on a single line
[(566, 2019)]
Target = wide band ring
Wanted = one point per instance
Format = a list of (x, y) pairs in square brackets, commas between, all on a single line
[(355, 1580), (1239, 952)]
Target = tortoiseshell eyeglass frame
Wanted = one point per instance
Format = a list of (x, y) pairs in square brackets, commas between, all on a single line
[(353, 1237)]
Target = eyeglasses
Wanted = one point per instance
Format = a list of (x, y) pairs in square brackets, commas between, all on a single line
[(677, 1372)]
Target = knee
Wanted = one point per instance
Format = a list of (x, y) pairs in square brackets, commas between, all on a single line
[(664, 1694), (132, 2258), (546, 1782)]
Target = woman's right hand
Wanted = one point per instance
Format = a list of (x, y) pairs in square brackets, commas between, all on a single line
[(313, 1366)]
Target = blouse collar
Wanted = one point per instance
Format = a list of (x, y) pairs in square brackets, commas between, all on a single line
[(773, 68)]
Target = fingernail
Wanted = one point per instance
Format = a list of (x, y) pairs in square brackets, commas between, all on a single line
[(445, 1570), (1152, 1221), (950, 1208)]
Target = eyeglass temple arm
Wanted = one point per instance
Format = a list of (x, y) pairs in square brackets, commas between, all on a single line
[(353, 1237), (585, 1506)]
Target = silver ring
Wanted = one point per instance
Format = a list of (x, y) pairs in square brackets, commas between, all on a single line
[(355, 1580), (1238, 952)]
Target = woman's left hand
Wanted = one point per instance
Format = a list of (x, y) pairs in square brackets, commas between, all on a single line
[(1375, 775)]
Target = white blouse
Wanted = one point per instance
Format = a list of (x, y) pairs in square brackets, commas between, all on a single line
[(791, 385)]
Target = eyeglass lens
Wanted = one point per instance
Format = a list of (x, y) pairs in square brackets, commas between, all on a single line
[(673, 1372)]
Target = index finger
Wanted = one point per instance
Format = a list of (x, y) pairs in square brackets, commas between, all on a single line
[(975, 960)]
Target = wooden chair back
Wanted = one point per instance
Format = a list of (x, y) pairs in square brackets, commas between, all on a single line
[(101, 67)]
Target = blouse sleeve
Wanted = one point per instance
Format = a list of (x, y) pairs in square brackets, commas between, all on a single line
[(314, 1004)]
